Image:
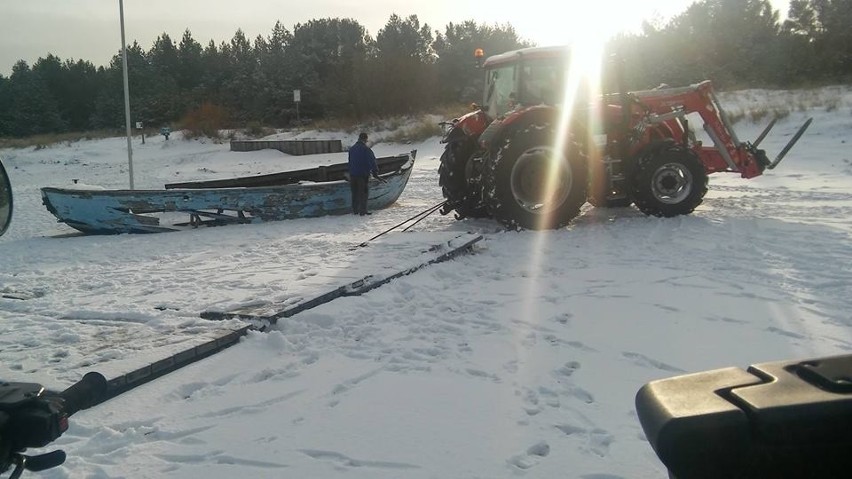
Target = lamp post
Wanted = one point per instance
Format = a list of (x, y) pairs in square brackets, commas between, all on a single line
[(126, 93)]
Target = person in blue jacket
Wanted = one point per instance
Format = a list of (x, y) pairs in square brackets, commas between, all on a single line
[(362, 164)]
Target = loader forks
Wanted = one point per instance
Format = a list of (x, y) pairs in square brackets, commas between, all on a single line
[(668, 107)]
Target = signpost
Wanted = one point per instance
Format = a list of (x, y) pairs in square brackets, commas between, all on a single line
[(297, 97)]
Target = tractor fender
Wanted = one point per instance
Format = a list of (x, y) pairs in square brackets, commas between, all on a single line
[(494, 136), (654, 146), (469, 125)]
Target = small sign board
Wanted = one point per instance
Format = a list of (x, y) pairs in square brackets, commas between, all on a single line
[(297, 96), (138, 124)]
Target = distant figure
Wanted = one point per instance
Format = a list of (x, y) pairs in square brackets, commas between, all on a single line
[(362, 163)]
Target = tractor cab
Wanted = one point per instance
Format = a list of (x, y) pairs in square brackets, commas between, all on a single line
[(527, 77)]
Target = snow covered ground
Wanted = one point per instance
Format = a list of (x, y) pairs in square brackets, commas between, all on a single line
[(520, 360)]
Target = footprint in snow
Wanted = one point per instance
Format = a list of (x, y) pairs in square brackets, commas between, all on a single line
[(723, 319), (218, 458), (534, 454), (563, 375), (531, 401), (346, 461), (568, 369), (668, 308), (511, 366), (645, 361), (477, 373), (582, 347), (581, 394), (595, 440), (789, 334), (305, 275), (185, 391), (341, 389)]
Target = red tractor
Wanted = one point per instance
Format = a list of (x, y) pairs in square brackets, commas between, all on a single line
[(520, 160)]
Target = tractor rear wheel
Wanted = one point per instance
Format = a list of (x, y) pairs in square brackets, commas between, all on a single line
[(669, 181), (454, 178), (530, 184)]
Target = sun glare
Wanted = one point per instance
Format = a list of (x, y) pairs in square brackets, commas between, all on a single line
[(585, 29), (540, 22), (582, 81)]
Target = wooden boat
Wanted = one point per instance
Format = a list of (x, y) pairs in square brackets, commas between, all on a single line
[(338, 171), (279, 196)]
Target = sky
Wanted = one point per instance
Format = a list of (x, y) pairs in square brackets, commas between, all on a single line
[(521, 359), (90, 29)]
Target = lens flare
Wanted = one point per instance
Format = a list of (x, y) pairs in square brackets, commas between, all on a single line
[(582, 88), (582, 91)]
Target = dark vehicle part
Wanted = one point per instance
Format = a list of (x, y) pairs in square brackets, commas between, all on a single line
[(785, 419), (5, 200), (456, 176), (30, 416), (607, 180)]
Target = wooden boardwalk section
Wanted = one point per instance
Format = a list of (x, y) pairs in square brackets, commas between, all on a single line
[(263, 321), (291, 147)]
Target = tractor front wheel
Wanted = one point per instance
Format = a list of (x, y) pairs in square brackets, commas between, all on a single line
[(531, 183), (670, 181)]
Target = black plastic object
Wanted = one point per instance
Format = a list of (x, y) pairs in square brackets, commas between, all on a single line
[(786, 419), (85, 393), (5, 200)]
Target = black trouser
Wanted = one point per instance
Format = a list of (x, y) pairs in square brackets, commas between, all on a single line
[(360, 190)]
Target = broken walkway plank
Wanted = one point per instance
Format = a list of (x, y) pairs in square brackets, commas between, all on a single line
[(158, 369), (452, 248)]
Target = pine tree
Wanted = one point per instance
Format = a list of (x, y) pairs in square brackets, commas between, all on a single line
[(33, 109)]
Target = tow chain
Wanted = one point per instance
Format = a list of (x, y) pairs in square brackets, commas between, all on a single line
[(419, 217)]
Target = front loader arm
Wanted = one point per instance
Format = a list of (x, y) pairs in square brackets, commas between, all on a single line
[(728, 153)]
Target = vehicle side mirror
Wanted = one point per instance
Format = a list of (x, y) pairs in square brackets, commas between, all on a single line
[(5, 200)]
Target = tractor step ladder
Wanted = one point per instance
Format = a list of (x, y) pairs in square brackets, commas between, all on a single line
[(617, 188)]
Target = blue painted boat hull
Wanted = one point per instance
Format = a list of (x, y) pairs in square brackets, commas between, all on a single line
[(132, 211)]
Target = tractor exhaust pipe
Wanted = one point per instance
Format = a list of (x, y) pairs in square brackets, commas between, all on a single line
[(789, 145)]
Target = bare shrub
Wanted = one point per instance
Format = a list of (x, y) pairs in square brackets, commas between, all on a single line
[(757, 115), (255, 129), (832, 105), (736, 117), (418, 131), (205, 121), (781, 113)]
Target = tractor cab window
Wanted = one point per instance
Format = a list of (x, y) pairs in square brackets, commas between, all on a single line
[(541, 82), (500, 95)]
